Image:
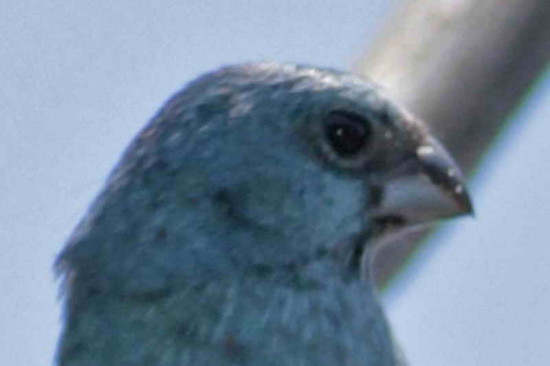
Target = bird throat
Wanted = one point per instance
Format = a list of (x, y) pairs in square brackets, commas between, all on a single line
[(311, 309), (310, 314)]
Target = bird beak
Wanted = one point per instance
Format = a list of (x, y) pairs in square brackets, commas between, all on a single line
[(425, 188)]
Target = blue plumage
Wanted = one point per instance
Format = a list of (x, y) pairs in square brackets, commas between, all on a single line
[(238, 227)]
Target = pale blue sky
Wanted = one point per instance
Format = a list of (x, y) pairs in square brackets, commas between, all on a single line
[(80, 78)]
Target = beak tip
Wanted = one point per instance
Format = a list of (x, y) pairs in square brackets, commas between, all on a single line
[(443, 171), (463, 200), (469, 210)]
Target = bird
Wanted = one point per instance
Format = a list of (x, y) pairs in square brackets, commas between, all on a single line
[(240, 225)]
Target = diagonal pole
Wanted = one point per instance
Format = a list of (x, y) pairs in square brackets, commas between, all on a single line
[(463, 66)]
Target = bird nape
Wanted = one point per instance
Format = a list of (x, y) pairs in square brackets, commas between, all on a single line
[(239, 226)]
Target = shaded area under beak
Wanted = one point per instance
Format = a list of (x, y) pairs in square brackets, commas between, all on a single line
[(429, 188)]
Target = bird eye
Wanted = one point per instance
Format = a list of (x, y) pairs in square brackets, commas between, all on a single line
[(347, 133)]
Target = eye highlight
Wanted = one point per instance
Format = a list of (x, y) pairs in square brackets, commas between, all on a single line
[(347, 133)]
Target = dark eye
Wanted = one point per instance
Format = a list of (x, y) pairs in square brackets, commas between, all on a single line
[(347, 133)]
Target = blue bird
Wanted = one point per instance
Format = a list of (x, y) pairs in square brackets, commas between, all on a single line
[(240, 224)]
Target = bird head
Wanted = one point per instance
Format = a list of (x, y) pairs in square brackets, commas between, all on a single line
[(262, 164)]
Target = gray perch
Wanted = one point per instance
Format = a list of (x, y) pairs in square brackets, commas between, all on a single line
[(462, 66)]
